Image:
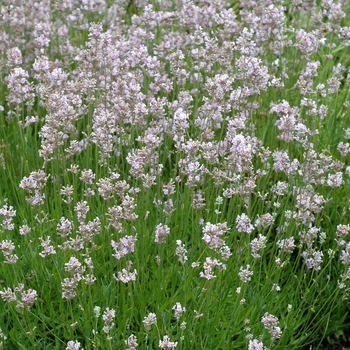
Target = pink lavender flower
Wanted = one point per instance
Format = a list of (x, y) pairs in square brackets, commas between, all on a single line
[(68, 192), (64, 227), (28, 298), (74, 267), (343, 148), (8, 213), (108, 317), (167, 344), (8, 295), (212, 234), (24, 230), (35, 182), (126, 275), (287, 245), (7, 248), (20, 89), (149, 320), (245, 274), (48, 249), (105, 188), (212, 237), (162, 232), (264, 220), (307, 43), (179, 310), (125, 246), (168, 207), (244, 224), (313, 259), (335, 180), (14, 57), (169, 188), (89, 279), (270, 323), (208, 267), (181, 252), (68, 287), (87, 176), (82, 209), (25, 298), (345, 255), (256, 345), (73, 345), (131, 342), (257, 244), (341, 232)]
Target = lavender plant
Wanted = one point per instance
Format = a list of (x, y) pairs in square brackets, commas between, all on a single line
[(174, 174)]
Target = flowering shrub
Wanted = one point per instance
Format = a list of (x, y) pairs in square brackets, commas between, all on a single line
[(174, 174)]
